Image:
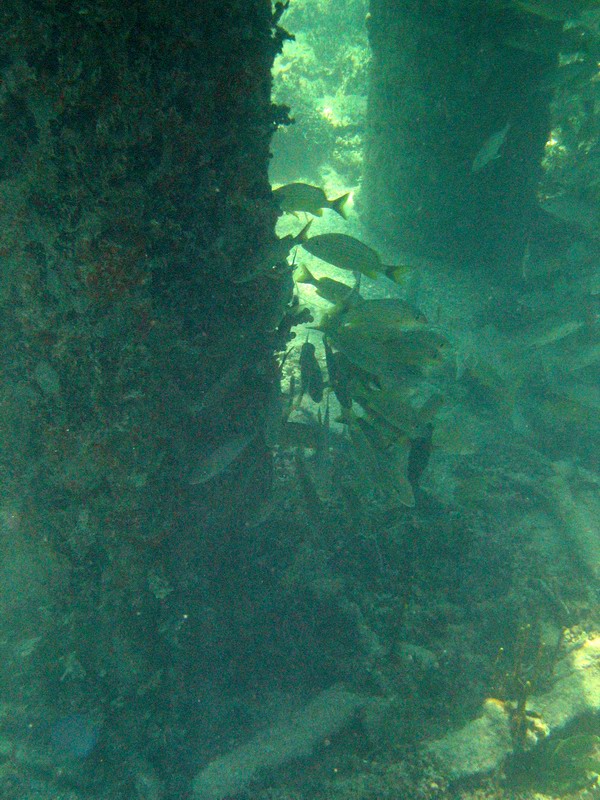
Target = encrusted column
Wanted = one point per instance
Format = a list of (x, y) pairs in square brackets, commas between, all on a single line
[(134, 144)]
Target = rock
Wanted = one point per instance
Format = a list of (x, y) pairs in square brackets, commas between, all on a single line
[(576, 690), (482, 745), (293, 738), (478, 747)]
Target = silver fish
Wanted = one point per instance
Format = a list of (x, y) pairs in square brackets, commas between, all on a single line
[(312, 199), (490, 150), (219, 459)]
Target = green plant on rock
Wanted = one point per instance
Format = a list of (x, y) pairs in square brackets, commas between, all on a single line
[(527, 668)]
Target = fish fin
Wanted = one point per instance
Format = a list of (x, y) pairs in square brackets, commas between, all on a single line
[(338, 204), (430, 408), (349, 300), (405, 493), (302, 236), (303, 275), (397, 274), (353, 297), (322, 324)]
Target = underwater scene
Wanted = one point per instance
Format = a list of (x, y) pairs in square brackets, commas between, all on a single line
[(300, 400)]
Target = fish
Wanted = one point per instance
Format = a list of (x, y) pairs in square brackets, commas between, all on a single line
[(570, 76), (383, 351), (575, 211), (364, 454), (346, 252), (217, 461), (531, 40), (555, 10), (490, 149), (311, 199), (423, 344), (420, 348), (329, 289), (268, 257), (551, 331), (261, 513), (418, 455), (322, 461), (308, 491), (388, 407), (583, 359), (353, 311), (395, 409), (577, 745), (378, 316), (356, 509), (311, 377), (497, 383), (338, 373), (217, 392), (383, 463), (397, 459), (585, 394), (360, 351), (564, 410)]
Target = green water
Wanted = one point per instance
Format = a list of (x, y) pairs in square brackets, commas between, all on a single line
[(283, 518)]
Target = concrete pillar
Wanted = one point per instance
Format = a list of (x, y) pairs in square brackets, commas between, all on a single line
[(446, 77), (134, 141)]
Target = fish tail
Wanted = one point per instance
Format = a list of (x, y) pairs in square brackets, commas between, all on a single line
[(347, 415), (338, 205), (329, 318), (396, 273), (430, 408)]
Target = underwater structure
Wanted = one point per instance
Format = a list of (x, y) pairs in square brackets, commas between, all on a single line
[(458, 118), (133, 194), (299, 497)]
